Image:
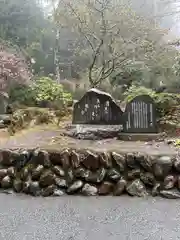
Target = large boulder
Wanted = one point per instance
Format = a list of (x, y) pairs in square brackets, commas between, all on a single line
[(92, 132), (6, 182), (69, 176), (120, 160), (47, 178), (65, 158), (81, 173), (24, 173), (17, 185), (36, 173), (89, 190), (136, 188), (169, 182), (177, 164), (48, 191), (156, 189), (34, 188), (75, 187), (58, 193), (23, 158), (55, 157), (8, 158), (91, 161), (96, 177), (60, 158), (61, 183), (148, 178), (58, 171), (105, 159), (133, 174), (178, 182), (105, 188), (120, 187), (3, 173), (26, 186), (11, 172), (43, 158), (145, 161), (131, 160), (162, 166), (170, 194), (113, 175), (75, 159)]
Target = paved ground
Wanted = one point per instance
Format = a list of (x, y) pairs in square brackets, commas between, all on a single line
[(78, 218)]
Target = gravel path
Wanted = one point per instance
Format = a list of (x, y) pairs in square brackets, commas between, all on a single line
[(78, 218), (30, 139), (53, 139)]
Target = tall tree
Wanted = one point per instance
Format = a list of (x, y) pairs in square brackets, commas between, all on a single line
[(23, 23), (20, 21), (109, 35)]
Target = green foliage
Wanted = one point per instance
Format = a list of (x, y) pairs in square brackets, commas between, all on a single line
[(45, 89), (22, 94), (20, 21), (31, 116), (177, 143), (176, 66), (42, 90), (140, 74), (127, 75), (25, 25), (134, 91), (165, 102)]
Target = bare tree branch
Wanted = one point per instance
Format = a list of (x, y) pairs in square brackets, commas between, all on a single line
[(110, 35), (79, 26), (93, 62)]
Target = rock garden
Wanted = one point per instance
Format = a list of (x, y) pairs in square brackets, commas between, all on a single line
[(88, 157)]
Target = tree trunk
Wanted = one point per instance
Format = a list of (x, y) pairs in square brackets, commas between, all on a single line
[(56, 58)]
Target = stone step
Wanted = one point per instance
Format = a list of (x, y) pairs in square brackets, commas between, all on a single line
[(140, 136)]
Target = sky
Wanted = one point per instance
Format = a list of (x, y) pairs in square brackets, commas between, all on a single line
[(165, 14)]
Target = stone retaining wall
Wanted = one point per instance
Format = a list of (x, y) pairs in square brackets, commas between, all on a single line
[(45, 173)]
